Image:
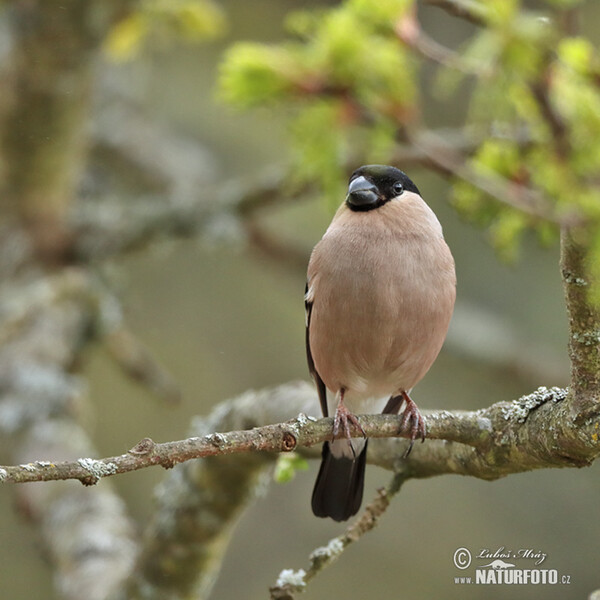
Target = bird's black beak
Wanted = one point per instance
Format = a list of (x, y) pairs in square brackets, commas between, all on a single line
[(362, 194)]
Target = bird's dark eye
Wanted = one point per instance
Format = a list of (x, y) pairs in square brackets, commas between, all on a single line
[(398, 188)]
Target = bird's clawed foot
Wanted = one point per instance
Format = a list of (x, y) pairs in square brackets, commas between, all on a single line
[(343, 418), (412, 421)]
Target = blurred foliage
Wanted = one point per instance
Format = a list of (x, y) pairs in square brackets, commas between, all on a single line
[(287, 465), (343, 68), (162, 21), (348, 77)]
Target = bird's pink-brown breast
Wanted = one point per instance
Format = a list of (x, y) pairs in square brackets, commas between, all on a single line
[(382, 286)]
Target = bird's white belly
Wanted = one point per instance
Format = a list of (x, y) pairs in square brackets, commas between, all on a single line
[(370, 401)]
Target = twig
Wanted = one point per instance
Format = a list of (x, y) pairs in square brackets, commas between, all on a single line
[(75, 284), (292, 582), (128, 352), (560, 133), (518, 196), (180, 199), (469, 10), (139, 364), (409, 30), (199, 502), (275, 248)]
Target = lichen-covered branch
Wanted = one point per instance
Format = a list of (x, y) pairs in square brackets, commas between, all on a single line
[(46, 318), (200, 499), (499, 440), (584, 326), (301, 431), (533, 432)]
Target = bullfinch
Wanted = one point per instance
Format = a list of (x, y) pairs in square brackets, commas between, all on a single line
[(379, 297)]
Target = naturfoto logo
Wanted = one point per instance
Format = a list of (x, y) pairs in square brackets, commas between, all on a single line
[(502, 567)]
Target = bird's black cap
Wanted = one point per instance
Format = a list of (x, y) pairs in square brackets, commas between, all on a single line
[(371, 186)]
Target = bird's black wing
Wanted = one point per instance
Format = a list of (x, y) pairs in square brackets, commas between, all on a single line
[(311, 363)]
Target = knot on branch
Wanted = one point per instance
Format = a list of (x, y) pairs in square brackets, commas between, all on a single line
[(167, 462), (288, 441), (216, 439), (144, 446)]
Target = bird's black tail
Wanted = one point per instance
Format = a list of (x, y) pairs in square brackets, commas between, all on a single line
[(338, 490)]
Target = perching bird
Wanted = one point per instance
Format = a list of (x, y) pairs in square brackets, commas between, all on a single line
[(379, 297)]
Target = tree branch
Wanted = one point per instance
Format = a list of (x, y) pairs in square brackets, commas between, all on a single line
[(182, 544), (43, 110), (584, 327), (529, 433), (560, 133), (469, 10), (447, 161), (200, 500), (291, 582), (88, 536), (408, 29), (302, 431), (180, 198)]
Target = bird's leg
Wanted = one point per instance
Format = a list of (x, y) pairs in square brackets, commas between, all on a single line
[(393, 405), (343, 417), (411, 417)]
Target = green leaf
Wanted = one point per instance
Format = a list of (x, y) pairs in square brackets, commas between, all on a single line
[(547, 233), (576, 52), (320, 147), (125, 38), (501, 12), (474, 205), (498, 156), (191, 20), (255, 75), (381, 141), (564, 3), (507, 232), (286, 466), (380, 12)]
